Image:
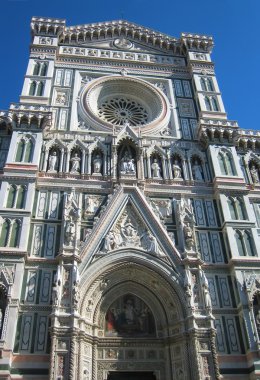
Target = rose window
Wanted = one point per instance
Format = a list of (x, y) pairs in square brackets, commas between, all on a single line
[(119, 111)]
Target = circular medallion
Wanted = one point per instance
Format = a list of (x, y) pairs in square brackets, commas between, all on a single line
[(123, 43)]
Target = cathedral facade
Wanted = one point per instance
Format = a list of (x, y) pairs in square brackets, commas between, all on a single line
[(129, 213)]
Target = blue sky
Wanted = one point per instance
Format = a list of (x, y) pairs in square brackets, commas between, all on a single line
[(234, 24)]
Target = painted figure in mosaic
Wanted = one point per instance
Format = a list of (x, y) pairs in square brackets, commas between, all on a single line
[(197, 171), (254, 174), (97, 164), (156, 170), (75, 164), (176, 170), (53, 162)]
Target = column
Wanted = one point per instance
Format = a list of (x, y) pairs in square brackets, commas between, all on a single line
[(89, 163), (67, 169), (83, 158), (164, 168), (169, 166), (61, 161), (149, 167), (105, 163)]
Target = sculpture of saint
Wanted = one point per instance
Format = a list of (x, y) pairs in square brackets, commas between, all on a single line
[(156, 170), (70, 232), (53, 162), (127, 164), (197, 171), (254, 174), (97, 164), (176, 170), (75, 163)]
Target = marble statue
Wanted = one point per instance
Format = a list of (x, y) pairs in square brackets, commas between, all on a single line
[(156, 170), (176, 170), (197, 171), (254, 174), (53, 162), (75, 163), (70, 231), (97, 164), (127, 164)]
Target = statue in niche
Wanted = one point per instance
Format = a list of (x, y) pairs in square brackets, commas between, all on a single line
[(75, 163), (71, 211), (97, 164), (89, 205), (127, 165), (176, 170), (254, 174), (188, 286), (188, 235), (53, 162), (156, 170), (55, 293), (205, 286), (197, 171), (70, 231)]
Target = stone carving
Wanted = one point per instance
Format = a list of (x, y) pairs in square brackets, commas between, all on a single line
[(254, 174), (123, 43), (46, 41), (185, 217), (55, 294), (162, 207), (130, 231), (197, 171), (75, 163), (92, 204), (176, 170), (70, 231), (188, 286), (53, 162), (61, 98), (156, 170), (205, 287), (127, 164), (97, 164)]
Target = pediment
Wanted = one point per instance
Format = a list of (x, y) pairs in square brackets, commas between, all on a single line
[(128, 221)]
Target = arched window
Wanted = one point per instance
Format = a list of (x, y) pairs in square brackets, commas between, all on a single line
[(28, 151), (203, 84), (20, 151), (240, 243), (248, 244), (222, 165), (244, 243), (24, 151), (14, 234), (241, 212), (43, 71), (40, 88), (226, 163), (232, 208), (210, 86), (36, 68), (21, 197), (207, 103), (32, 89), (4, 237), (11, 196), (214, 104)]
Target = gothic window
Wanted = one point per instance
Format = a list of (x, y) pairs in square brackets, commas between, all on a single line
[(40, 87), (32, 89), (211, 103), (4, 237), (236, 208), (3, 303), (226, 163), (11, 196), (36, 68), (36, 88), (14, 234), (21, 197), (43, 70), (24, 150), (206, 84), (244, 243), (208, 104)]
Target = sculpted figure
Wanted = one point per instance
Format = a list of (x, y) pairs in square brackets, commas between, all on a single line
[(70, 232), (127, 164), (156, 170), (52, 162), (176, 170), (254, 174), (75, 164), (197, 171), (97, 164), (112, 241)]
